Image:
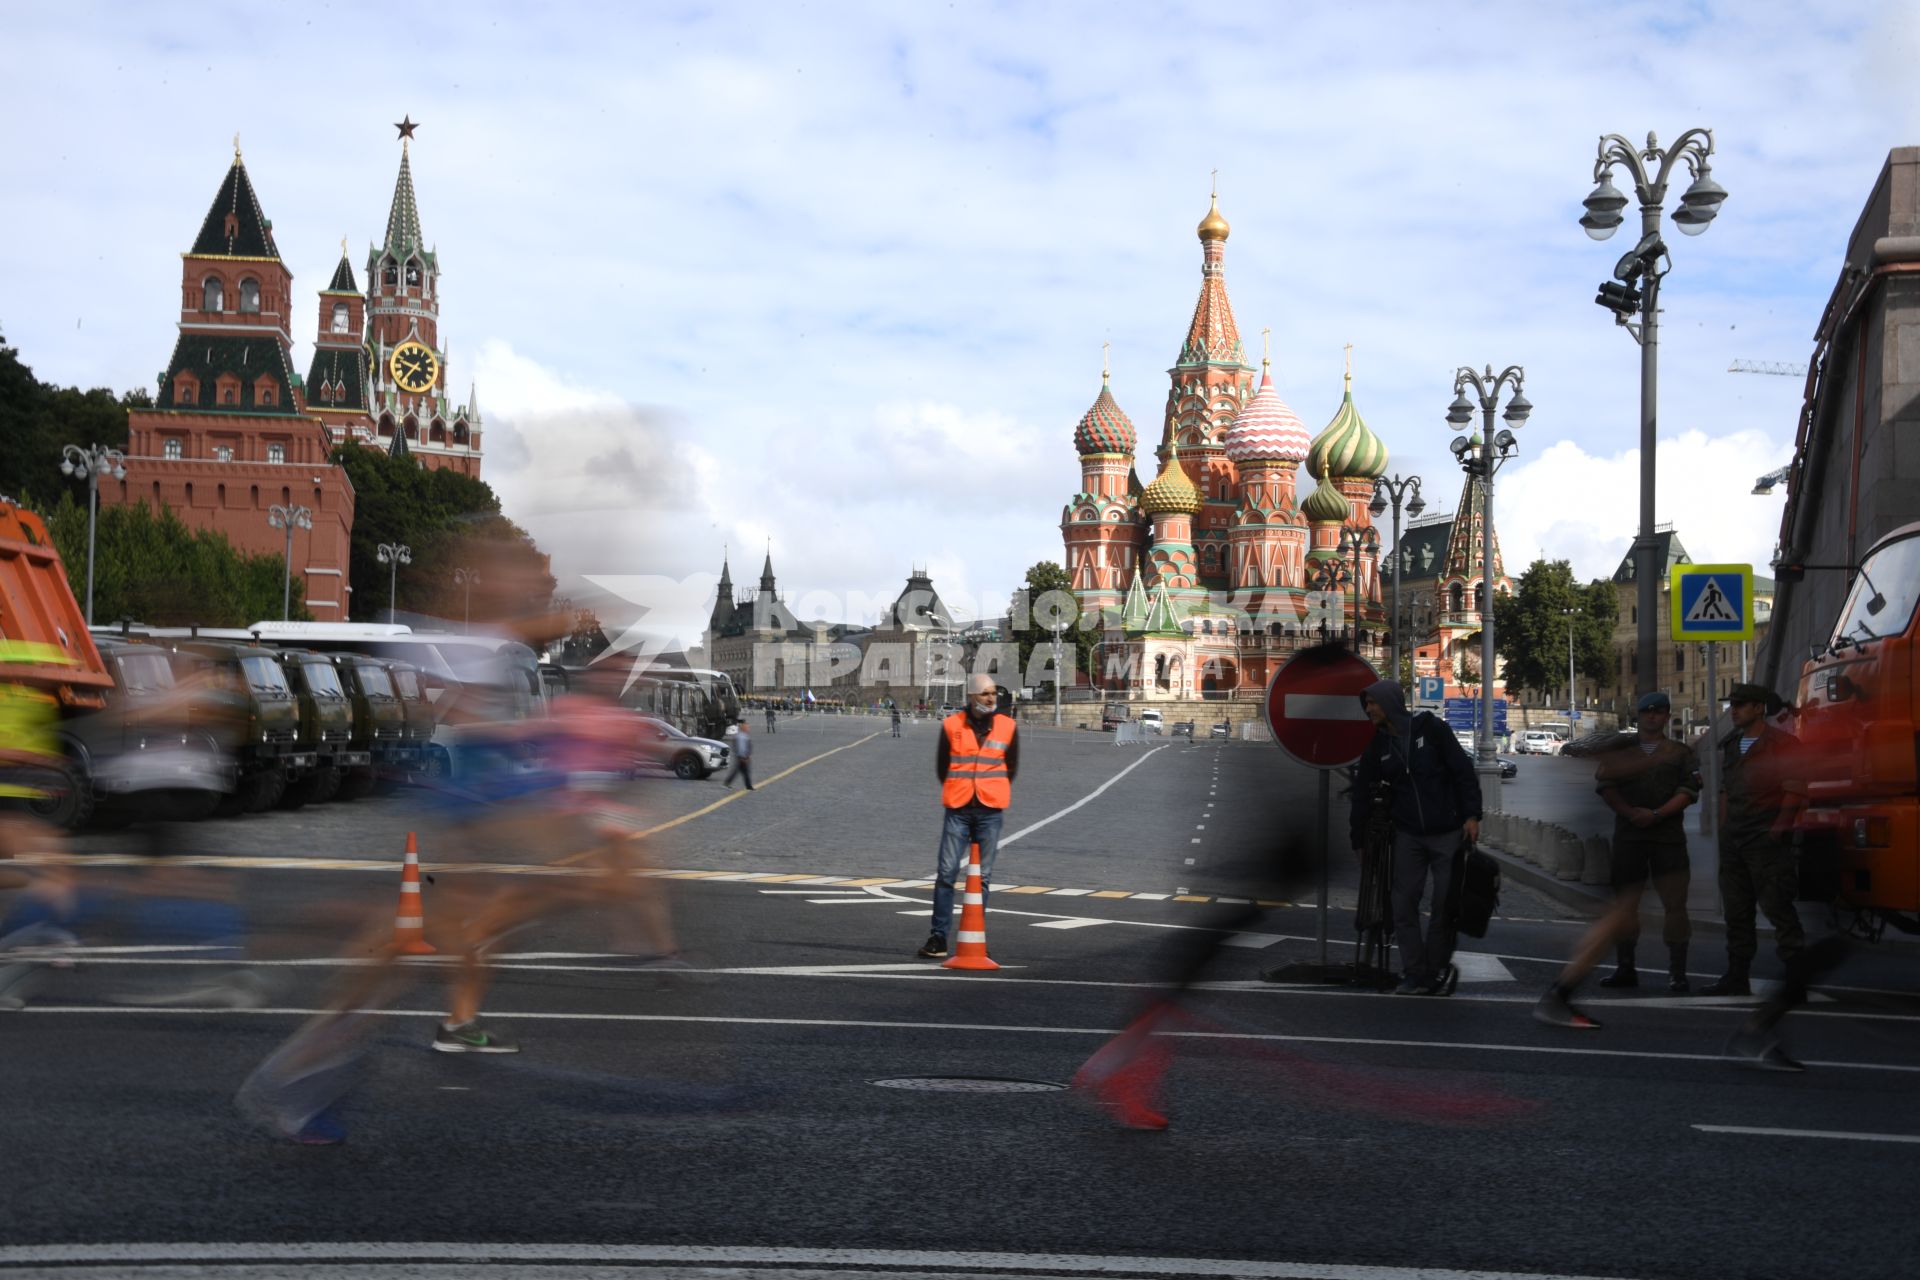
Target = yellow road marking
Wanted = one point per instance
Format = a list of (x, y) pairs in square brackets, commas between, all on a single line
[(856, 884), (804, 875), (738, 795), (1190, 897), (1027, 888), (1112, 893)]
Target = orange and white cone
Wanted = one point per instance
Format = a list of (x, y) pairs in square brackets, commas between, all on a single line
[(971, 949), (410, 920)]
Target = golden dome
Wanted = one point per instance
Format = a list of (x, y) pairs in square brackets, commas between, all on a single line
[(1213, 226), (1171, 490)]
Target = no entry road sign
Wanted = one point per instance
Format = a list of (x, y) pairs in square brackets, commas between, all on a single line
[(1313, 707)]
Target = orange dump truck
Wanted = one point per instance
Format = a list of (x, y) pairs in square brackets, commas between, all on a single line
[(37, 608), (1859, 719)]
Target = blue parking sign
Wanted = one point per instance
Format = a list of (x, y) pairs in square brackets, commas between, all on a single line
[(1430, 688)]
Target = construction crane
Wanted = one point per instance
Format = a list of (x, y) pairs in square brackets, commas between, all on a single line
[(1784, 368)]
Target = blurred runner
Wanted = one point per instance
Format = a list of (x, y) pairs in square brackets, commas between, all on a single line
[(544, 788), (33, 924)]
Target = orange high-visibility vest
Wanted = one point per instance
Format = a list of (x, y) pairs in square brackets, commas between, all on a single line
[(977, 769)]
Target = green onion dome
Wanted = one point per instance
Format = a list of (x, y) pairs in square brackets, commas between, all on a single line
[(1347, 447), (1326, 505)]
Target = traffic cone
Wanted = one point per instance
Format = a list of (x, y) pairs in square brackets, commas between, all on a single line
[(971, 953), (409, 919)]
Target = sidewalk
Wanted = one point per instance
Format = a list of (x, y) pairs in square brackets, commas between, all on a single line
[(1589, 901)]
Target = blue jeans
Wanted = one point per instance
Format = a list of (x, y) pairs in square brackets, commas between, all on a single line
[(962, 828)]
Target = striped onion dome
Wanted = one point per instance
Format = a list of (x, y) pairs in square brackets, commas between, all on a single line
[(1347, 447), (1171, 491), (1326, 505), (1105, 428), (1266, 430)]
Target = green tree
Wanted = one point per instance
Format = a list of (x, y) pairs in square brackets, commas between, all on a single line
[(585, 641), (449, 521), (37, 420), (1048, 597), (152, 568), (1530, 628)]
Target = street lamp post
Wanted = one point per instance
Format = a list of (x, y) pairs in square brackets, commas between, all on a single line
[(288, 518), (1056, 672), (1650, 167), (1483, 455), (1572, 708), (1392, 492), (1358, 539), (395, 554), (75, 461), (465, 578)]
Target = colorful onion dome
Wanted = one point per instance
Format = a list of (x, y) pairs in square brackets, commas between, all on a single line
[(1105, 428), (1266, 430), (1347, 447), (1171, 491), (1326, 505), (1213, 226)]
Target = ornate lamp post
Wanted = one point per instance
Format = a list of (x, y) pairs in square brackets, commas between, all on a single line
[(1650, 167), (466, 578), (1481, 456), (288, 518), (75, 461), (1391, 492), (395, 554), (1358, 539)]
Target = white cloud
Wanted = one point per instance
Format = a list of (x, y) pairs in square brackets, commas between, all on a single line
[(812, 273), (1568, 504)]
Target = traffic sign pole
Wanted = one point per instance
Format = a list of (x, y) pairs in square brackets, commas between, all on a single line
[(1710, 803), (1313, 707)]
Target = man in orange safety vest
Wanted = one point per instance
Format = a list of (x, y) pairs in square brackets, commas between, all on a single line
[(977, 757)]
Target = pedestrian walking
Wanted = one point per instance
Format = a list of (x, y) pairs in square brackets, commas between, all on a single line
[(896, 722), (976, 760), (1761, 797), (742, 757), (772, 724), (1648, 780), (1435, 802)]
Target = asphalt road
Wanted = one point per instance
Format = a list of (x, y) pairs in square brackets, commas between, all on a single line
[(718, 1116)]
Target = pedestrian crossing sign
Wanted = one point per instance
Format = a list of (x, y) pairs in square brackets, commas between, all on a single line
[(1712, 601)]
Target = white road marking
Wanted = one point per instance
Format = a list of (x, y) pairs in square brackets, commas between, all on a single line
[(941, 1262), (1086, 799), (1068, 893), (1475, 967), (1808, 1133), (1379, 1042), (1078, 923), (1151, 897), (1252, 941)]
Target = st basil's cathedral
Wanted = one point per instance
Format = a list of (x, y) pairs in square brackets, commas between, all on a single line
[(1225, 519)]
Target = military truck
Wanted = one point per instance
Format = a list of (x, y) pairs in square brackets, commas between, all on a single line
[(379, 721), (326, 728), (242, 699)]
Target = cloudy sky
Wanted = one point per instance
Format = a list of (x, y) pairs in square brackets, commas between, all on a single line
[(838, 275)]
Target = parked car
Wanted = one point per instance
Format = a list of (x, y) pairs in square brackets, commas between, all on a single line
[(1113, 715), (1150, 721), (689, 757), (1222, 729), (1537, 742)]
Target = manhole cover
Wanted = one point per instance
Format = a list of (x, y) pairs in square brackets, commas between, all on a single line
[(968, 1084)]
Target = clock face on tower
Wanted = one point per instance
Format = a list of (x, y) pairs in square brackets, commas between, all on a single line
[(413, 366)]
